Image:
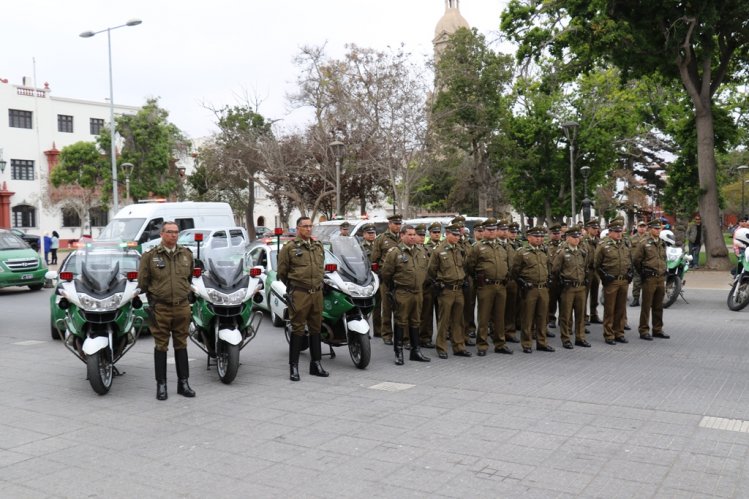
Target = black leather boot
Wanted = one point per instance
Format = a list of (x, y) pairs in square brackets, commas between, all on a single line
[(159, 365), (416, 354), (295, 345), (398, 344), (183, 373), (315, 367)]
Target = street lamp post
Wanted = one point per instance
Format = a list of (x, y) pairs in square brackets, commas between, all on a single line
[(570, 131), (127, 169), (585, 171), (337, 147), (2, 163), (89, 34), (742, 169)]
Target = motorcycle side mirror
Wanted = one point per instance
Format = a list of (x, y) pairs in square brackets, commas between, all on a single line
[(137, 302), (63, 303), (132, 276), (66, 276), (197, 272), (51, 275), (255, 271), (375, 267), (331, 267)]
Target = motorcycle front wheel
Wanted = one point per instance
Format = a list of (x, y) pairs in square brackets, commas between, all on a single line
[(738, 299), (100, 371), (673, 290), (227, 361), (360, 349)]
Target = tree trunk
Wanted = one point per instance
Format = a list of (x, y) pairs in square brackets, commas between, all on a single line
[(715, 246), (250, 211)]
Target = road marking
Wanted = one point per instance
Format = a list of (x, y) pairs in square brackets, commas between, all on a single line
[(725, 424), (388, 386), (28, 343)]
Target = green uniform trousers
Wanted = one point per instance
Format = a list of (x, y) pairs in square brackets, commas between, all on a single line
[(535, 308), (408, 308), (636, 286), (555, 292), (469, 307), (595, 284), (614, 309), (382, 319), (426, 328), (170, 321), (512, 307), (491, 299), (653, 291), (307, 312), (450, 317), (572, 300)]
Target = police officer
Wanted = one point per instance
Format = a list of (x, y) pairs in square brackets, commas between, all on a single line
[(489, 263), (552, 247), (428, 305), (613, 264), (531, 270), (369, 233), (512, 305), (569, 267), (447, 268), (637, 280), (405, 270), (469, 293), (591, 240), (301, 268), (165, 275), (345, 227), (382, 319), (650, 260)]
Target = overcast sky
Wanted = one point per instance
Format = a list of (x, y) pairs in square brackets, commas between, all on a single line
[(190, 52)]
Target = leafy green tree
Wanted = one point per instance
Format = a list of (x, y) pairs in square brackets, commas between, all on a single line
[(700, 44)]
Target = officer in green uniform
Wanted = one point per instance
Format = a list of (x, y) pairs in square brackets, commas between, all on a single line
[(489, 263), (650, 260), (447, 268), (426, 329), (568, 268), (512, 305), (469, 293), (531, 270), (345, 228), (552, 247), (301, 264), (591, 240), (382, 316), (165, 275), (369, 233), (642, 228), (613, 264), (405, 270)]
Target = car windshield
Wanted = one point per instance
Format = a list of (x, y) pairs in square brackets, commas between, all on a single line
[(187, 238), (351, 260), (9, 241), (226, 265), (122, 229)]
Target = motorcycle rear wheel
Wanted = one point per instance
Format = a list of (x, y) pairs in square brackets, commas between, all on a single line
[(742, 300), (227, 361), (100, 371), (360, 349), (673, 290)]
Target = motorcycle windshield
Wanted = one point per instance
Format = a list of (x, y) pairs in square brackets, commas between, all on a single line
[(353, 263), (226, 266), (102, 271), (673, 253)]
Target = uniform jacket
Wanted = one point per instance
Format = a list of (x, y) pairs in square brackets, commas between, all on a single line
[(302, 263), (406, 267), (531, 264), (165, 276), (489, 260), (570, 264), (650, 255), (368, 247), (382, 244), (446, 264), (613, 257)]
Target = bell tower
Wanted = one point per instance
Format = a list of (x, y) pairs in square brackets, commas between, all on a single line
[(450, 22)]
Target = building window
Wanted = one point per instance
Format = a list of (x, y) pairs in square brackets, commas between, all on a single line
[(99, 216), (24, 216), (21, 169), (96, 125), (70, 217), (19, 119), (64, 123)]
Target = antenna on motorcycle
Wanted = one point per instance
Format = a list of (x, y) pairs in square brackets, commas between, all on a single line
[(198, 238), (278, 232)]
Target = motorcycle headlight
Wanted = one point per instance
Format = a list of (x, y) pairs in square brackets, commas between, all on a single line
[(360, 291), (219, 298), (104, 305)]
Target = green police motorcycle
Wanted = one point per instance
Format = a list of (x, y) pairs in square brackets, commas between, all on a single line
[(738, 297), (223, 319), (677, 265), (349, 292)]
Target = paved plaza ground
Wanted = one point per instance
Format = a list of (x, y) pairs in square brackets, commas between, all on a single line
[(647, 419)]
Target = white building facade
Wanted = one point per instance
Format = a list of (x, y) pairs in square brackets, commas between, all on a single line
[(34, 127)]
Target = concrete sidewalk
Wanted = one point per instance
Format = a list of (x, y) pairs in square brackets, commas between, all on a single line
[(708, 279)]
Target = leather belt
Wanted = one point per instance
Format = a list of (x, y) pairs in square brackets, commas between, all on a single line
[(408, 290), (620, 278), (306, 290), (539, 286), (575, 284), (174, 303), (495, 281), (453, 287)]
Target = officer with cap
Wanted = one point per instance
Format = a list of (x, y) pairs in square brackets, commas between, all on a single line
[(569, 267), (512, 305), (489, 263), (369, 233), (469, 293), (447, 268), (382, 319), (345, 227), (405, 270), (591, 240), (553, 246), (426, 329), (650, 260), (531, 270), (642, 228), (613, 264)]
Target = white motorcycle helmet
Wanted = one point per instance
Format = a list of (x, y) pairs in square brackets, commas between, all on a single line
[(668, 237), (742, 237)]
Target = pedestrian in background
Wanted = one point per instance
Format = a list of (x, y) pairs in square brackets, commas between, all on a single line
[(53, 246), (47, 246)]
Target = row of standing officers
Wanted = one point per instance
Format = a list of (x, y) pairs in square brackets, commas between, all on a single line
[(515, 286)]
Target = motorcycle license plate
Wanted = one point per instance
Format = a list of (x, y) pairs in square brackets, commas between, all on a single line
[(26, 277)]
